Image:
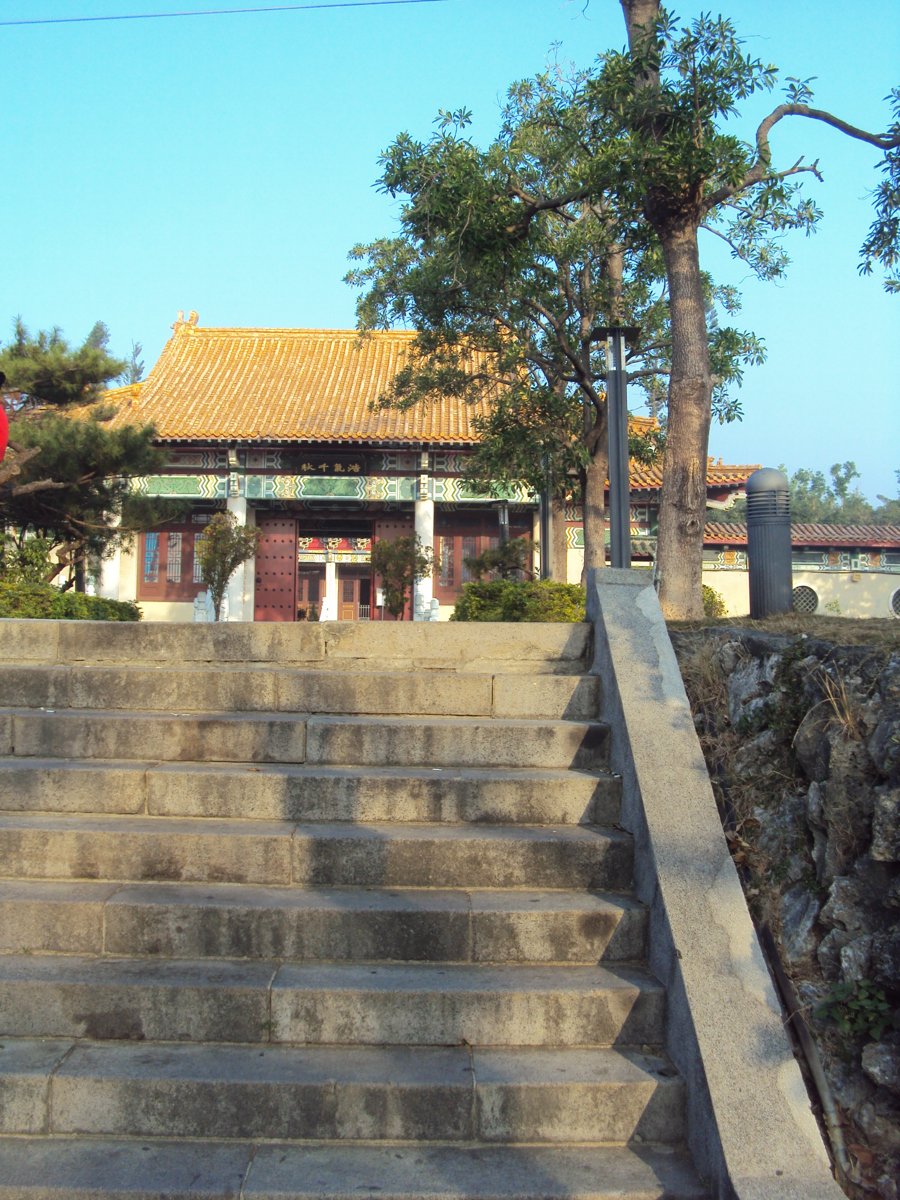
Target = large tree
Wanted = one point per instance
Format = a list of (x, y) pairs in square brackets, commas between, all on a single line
[(648, 135), (675, 90), (511, 309), (66, 475)]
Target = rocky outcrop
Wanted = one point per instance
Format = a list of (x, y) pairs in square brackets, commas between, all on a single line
[(803, 741)]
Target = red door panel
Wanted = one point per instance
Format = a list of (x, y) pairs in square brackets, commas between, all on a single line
[(276, 570)]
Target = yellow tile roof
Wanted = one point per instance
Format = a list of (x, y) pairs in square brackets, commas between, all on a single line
[(718, 474), (307, 385)]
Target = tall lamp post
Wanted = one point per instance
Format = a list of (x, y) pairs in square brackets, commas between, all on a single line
[(617, 336)]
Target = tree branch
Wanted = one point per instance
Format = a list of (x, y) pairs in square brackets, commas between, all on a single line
[(534, 205), (37, 485), (759, 171)]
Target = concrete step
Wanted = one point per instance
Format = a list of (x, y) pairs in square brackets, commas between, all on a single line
[(140, 999), (180, 737), (216, 687), (299, 792), (372, 1093), (448, 742), (379, 645), (121, 1169), (323, 740), (339, 854), (323, 924)]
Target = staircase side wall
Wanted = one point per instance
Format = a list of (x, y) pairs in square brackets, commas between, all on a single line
[(751, 1129)]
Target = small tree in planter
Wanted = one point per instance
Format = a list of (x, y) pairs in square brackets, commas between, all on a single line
[(223, 547), (400, 563)]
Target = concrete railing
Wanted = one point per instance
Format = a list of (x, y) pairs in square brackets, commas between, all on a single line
[(750, 1127)]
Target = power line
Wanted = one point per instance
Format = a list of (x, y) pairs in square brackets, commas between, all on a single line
[(216, 12)]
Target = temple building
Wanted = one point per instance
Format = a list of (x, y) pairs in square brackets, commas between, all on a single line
[(281, 427)]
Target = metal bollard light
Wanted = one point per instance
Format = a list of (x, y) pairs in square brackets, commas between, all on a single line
[(769, 542)]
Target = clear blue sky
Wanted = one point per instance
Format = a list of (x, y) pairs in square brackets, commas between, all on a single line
[(226, 164)]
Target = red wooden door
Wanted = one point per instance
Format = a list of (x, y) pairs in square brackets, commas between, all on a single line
[(276, 570)]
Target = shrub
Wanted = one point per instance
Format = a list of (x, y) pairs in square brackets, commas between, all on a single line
[(400, 563), (223, 547), (42, 602), (506, 561), (25, 562), (509, 600), (713, 603)]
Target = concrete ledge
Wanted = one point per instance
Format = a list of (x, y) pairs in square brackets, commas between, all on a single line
[(390, 645), (750, 1127)]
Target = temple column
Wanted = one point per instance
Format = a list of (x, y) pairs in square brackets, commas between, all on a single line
[(110, 573), (423, 589), (328, 610), (239, 592)]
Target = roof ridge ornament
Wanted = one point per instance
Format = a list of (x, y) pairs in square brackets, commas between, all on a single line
[(192, 318)]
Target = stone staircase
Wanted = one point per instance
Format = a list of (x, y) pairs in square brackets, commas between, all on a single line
[(321, 911)]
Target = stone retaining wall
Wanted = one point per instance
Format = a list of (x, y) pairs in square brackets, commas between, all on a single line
[(803, 741)]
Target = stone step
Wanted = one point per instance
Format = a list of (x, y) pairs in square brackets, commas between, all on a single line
[(140, 999), (121, 1169), (323, 854), (211, 737), (299, 792), (448, 742), (377, 646), (228, 688), (240, 921), (323, 740), (371, 1093)]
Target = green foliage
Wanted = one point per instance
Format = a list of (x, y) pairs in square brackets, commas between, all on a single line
[(509, 600), (74, 490), (713, 603), (27, 561), (859, 1009), (882, 244), (509, 300), (66, 477), (830, 501), (814, 499), (222, 548), (46, 370), (888, 512), (40, 601), (399, 563), (506, 561)]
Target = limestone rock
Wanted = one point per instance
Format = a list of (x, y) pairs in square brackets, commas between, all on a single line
[(847, 906), (855, 958), (881, 1062), (881, 1122), (884, 744), (799, 912), (829, 953), (750, 686), (887, 1185), (886, 826), (812, 745), (885, 958)]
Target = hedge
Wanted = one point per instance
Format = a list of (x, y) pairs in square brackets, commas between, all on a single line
[(35, 600), (508, 600)]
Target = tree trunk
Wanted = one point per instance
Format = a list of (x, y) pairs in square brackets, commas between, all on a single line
[(639, 15), (559, 550), (682, 510), (594, 510)]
